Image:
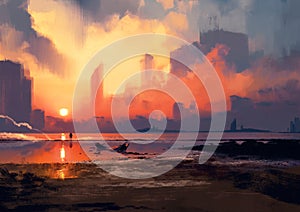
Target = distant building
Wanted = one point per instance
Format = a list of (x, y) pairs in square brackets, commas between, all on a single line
[(148, 61), (292, 127), (147, 64), (177, 68), (53, 124), (97, 91), (233, 125), (37, 119), (15, 91), (177, 107), (239, 104), (2, 125), (254, 56), (26, 98), (295, 125), (237, 42)]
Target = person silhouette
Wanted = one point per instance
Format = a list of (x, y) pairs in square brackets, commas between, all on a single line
[(71, 143)]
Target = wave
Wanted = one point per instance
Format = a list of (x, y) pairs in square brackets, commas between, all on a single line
[(18, 137)]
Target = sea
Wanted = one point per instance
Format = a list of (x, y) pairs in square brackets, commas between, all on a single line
[(58, 147)]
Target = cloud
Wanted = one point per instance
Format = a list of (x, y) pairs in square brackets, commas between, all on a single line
[(151, 10), (79, 40), (55, 39), (17, 35), (14, 14), (272, 25), (47, 55), (177, 22), (167, 4), (99, 10)]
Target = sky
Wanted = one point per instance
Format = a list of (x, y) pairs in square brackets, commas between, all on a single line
[(55, 39)]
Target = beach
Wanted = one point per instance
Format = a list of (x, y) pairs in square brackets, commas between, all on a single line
[(247, 172), (188, 187)]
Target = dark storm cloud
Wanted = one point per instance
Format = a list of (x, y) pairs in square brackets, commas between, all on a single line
[(277, 22), (270, 115), (267, 115), (99, 10), (152, 10), (225, 6), (265, 91), (272, 25), (264, 20), (46, 54), (226, 14), (265, 104), (13, 13), (289, 91)]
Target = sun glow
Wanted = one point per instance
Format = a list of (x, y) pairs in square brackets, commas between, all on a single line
[(62, 153), (63, 112), (63, 137)]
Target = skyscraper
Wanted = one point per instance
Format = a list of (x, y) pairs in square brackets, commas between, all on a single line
[(233, 125), (177, 109), (26, 98), (37, 119), (237, 43), (147, 64), (177, 68), (295, 125), (97, 92), (15, 91)]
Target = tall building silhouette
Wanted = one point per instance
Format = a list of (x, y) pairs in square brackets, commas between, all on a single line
[(177, 68), (237, 43), (97, 92), (233, 125), (295, 125), (147, 64), (177, 107), (15, 91), (37, 119)]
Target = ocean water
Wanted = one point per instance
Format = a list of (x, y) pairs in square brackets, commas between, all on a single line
[(58, 147)]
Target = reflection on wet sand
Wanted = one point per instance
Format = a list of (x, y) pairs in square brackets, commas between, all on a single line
[(62, 156), (42, 152), (56, 159), (60, 171), (62, 152)]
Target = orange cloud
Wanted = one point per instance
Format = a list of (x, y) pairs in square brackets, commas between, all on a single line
[(78, 41), (176, 22), (167, 4)]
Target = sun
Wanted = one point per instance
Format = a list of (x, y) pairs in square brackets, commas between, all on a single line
[(63, 112)]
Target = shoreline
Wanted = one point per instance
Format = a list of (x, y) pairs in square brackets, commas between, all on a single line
[(26, 187)]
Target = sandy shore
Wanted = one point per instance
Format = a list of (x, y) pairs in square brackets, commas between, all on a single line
[(188, 187)]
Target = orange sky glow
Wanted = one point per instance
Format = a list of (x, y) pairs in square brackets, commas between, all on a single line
[(77, 39)]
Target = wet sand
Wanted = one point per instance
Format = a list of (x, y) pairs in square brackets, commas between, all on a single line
[(188, 187)]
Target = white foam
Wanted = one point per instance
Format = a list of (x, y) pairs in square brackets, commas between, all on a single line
[(18, 137)]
